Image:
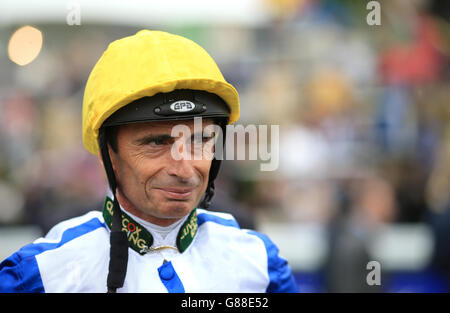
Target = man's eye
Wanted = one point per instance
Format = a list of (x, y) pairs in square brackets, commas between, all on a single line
[(157, 142), (199, 140)]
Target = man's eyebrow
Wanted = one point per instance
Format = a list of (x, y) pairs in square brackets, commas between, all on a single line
[(201, 134), (164, 137), (149, 138)]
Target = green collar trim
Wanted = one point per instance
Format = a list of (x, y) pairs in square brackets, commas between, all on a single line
[(140, 239)]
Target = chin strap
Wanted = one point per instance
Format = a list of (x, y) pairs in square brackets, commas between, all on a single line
[(213, 172), (118, 255), (209, 193)]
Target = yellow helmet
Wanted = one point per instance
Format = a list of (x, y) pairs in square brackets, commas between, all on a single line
[(143, 65)]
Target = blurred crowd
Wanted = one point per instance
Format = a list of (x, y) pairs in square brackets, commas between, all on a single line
[(364, 117)]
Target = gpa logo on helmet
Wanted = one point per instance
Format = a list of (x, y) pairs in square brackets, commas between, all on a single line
[(182, 106)]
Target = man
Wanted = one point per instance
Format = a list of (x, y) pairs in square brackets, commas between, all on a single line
[(141, 108)]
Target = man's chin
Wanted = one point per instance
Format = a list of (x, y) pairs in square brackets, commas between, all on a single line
[(176, 208)]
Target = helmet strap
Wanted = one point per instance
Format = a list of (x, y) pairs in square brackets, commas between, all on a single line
[(209, 193), (213, 172), (118, 260)]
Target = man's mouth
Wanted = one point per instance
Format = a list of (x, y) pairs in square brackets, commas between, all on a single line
[(176, 193)]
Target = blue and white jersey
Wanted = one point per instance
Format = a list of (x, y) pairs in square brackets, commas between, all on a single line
[(74, 257)]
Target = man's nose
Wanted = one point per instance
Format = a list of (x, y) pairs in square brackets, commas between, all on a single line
[(181, 168), (180, 164)]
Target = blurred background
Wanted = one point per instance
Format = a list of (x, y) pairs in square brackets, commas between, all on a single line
[(363, 110)]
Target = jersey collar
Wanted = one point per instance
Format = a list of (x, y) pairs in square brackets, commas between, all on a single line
[(140, 239)]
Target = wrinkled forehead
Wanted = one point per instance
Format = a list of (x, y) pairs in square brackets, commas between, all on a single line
[(166, 126)]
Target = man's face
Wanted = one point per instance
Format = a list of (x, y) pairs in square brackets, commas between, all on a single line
[(152, 184)]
